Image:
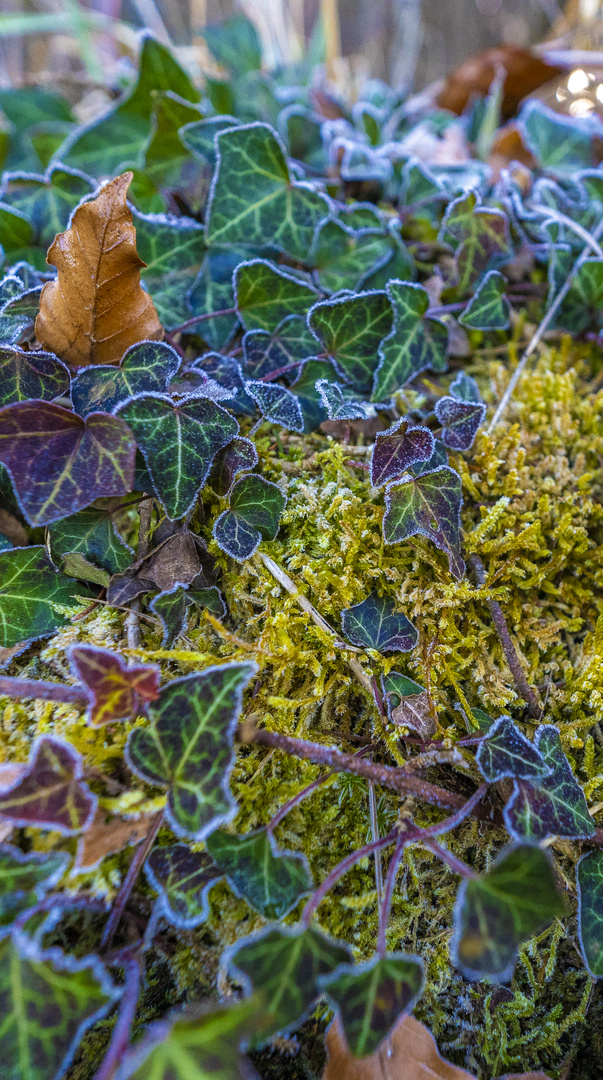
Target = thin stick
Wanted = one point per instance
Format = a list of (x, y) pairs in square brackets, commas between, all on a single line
[(338, 871), (375, 836), (127, 1010), (522, 686), (129, 881), (48, 691), (574, 226), (542, 328)]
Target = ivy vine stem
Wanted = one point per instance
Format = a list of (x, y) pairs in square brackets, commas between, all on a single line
[(388, 892), (338, 871), (202, 318), (120, 1038), (48, 691), (132, 623), (129, 881)]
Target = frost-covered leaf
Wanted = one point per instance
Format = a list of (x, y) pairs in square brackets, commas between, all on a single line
[(213, 291), (47, 1001), (344, 258), (370, 998), (590, 911), (91, 533), (408, 704), (188, 747), (479, 235), (375, 624), (60, 463), (97, 261), (582, 306), (33, 596), (397, 450), (460, 421), (308, 396), (271, 880), (350, 329), (179, 443), (498, 910), (265, 352), (254, 199), (50, 794), (507, 752), (559, 143), (285, 964), (276, 404), (26, 375), (266, 294), (340, 402), (255, 511), (430, 505), (555, 806), (172, 605), (488, 308), (228, 374), (183, 879), (47, 201), (239, 456), (173, 249), (415, 342), (117, 692), (147, 367), (25, 879), (465, 388)]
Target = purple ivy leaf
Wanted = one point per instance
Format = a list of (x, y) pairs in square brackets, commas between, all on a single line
[(239, 456), (60, 463), (397, 449), (555, 805), (183, 879), (117, 691), (340, 402), (375, 624), (51, 794), (276, 404), (265, 352), (429, 505), (465, 388), (505, 752), (460, 421)]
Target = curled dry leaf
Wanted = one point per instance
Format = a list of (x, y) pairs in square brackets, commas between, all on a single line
[(410, 1053), (108, 834), (96, 308), (525, 73)]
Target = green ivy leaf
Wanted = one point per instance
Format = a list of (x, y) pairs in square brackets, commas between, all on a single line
[(276, 404), (32, 596), (255, 511), (350, 329), (265, 295), (397, 449), (271, 880), (188, 747), (183, 879), (172, 605), (555, 806), (370, 998), (253, 198), (235, 44), (266, 352), (506, 752), (590, 911), (213, 290), (31, 374), (25, 879), (479, 236), (498, 910), (179, 443), (173, 249), (488, 308), (415, 343), (559, 143), (582, 306), (148, 367), (344, 258), (16, 233), (91, 533), (429, 504), (50, 793), (47, 201), (47, 1000), (168, 162), (285, 964), (375, 624)]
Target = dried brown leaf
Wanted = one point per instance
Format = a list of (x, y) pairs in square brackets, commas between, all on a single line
[(175, 559), (97, 308), (410, 1053), (525, 73), (13, 529), (415, 712), (109, 834)]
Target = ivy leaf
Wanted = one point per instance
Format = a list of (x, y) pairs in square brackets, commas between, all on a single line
[(168, 163), (350, 329), (265, 295), (488, 308), (227, 373), (212, 291), (254, 199), (397, 449), (255, 511), (47, 201), (235, 44), (460, 421), (147, 367), (506, 752), (183, 879), (25, 879), (590, 911), (239, 456), (91, 533), (556, 805), (271, 880), (33, 596), (16, 233), (478, 234), (375, 624), (430, 505), (179, 443), (415, 342), (465, 388), (26, 375), (498, 910), (188, 747), (60, 463), (340, 402), (371, 997), (171, 606), (18, 310), (97, 261), (276, 404), (50, 794), (560, 143), (344, 258), (48, 1001), (285, 964), (266, 352), (408, 704), (173, 249), (581, 308), (308, 396), (117, 692)]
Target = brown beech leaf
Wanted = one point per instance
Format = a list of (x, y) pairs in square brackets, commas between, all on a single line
[(525, 73), (415, 712), (97, 308), (106, 835), (410, 1053)]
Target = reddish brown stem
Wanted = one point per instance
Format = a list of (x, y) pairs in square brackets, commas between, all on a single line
[(129, 881), (338, 871), (202, 318), (127, 1010), (49, 691)]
